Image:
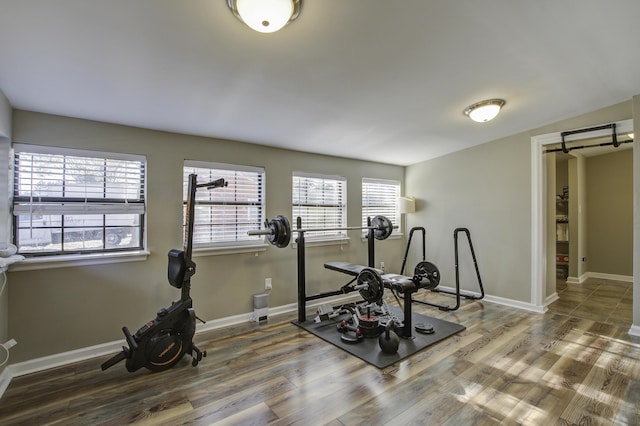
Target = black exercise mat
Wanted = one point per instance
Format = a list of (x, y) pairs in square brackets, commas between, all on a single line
[(368, 348)]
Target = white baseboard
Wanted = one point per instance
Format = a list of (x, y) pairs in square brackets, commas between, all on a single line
[(516, 304), (551, 298), (634, 330), (614, 277), (505, 302), (5, 379), (578, 280)]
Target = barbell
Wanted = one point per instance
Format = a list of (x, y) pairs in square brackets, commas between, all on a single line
[(278, 230)]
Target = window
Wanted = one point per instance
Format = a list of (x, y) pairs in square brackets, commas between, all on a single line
[(321, 203), (71, 202), (380, 197), (224, 215)]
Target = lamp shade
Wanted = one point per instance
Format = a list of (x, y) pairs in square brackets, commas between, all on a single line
[(484, 111), (265, 16), (407, 205)]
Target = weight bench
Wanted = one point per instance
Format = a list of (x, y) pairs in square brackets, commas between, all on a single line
[(400, 283)]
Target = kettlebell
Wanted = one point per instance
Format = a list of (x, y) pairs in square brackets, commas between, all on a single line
[(389, 340)]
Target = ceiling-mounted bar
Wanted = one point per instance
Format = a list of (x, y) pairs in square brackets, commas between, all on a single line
[(566, 150), (588, 146)]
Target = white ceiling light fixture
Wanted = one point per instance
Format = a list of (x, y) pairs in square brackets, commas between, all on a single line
[(485, 110), (265, 16)]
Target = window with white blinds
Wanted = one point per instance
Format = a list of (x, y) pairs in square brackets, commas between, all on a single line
[(380, 197), (224, 215), (73, 202), (321, 202)]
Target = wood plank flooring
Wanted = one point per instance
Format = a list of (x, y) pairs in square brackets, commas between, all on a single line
[(508, 367)]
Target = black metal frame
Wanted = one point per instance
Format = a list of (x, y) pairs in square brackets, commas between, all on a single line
[(458, 293), (614, 139), (302, 279)]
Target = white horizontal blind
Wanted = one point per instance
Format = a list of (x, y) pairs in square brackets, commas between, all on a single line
[(380, 197), (67, 201), (224, 215), (321, 203)]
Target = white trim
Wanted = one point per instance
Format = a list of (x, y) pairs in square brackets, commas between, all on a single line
[(516, 304), (5, 380), (614, 277), (231, 249), (223, 166), (71, 260), (578, 280), (503, 301), (634, 330), (73, 152), (320, 176), (551, 298), (538, 211)]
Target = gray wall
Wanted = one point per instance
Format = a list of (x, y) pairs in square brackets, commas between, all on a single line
[(58, 310), (610, 213), (487, 188)]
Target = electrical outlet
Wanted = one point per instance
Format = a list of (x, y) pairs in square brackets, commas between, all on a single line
[(382, 266), (9, 344), (267, 284)]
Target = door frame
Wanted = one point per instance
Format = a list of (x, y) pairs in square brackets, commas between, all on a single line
[(539, 206)]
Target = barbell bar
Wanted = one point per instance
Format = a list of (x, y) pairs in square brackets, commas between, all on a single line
[(278, 230)]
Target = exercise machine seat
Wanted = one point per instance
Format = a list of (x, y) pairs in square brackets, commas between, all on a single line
[(177, 268)]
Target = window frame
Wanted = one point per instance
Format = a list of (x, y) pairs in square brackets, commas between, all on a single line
[(64, 205), (339, 236), (245, 244), (367, 210)]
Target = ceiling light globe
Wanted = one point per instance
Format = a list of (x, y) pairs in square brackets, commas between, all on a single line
[(265, 16), (484, 111)]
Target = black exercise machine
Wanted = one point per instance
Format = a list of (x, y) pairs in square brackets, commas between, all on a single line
[(163, 341), (458, 293)]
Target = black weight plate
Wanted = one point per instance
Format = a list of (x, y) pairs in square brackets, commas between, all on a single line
[(375, 289), (285, 235), (382, 227), (276, 231), (280, 235), (429, 271)]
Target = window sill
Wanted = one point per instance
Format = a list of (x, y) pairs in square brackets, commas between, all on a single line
[(222, 250), (322, 242), (71, 260), (394, 236)]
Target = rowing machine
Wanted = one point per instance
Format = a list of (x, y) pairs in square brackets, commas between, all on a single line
[(163, 341)]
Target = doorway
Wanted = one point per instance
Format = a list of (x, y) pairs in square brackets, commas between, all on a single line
[(593, 197), (543, 288)]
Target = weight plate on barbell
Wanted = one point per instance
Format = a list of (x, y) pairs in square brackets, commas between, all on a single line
[(280, 231), (429, 271), (382, 227), (374, 289)]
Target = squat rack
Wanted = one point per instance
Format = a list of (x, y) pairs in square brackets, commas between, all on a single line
[(458, 293)]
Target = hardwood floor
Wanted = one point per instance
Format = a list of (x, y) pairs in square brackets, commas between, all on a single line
[(601, 300), (508, 367)]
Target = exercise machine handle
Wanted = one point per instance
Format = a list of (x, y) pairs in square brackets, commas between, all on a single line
[(124, 354), (130, 340), (218, 183)]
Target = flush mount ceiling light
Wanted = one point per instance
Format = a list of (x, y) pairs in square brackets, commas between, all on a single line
[(265, 16), (485, 110)]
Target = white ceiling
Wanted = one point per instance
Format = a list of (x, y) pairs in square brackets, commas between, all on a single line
[(379, 80)]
